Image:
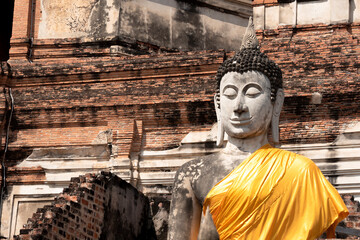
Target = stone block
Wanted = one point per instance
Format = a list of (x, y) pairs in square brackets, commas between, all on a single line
[(354, 11), (259, 17), (287, 14), (272, 17), (313, 12), (316, 98), (339, 11)]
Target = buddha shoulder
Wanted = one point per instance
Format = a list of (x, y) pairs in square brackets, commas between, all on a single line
[(196, 167), (200, 175)]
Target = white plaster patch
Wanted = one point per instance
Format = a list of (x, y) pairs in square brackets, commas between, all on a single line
[(187, 185), (287, 15), (197, 173), (43, 20), (313, 12), (354, 11), (113, 15), (259, 17), (354, 127), (272, 17), (175, 212), (181, 175), (316, 98), (339, 10), (229, 27), (64, 18)]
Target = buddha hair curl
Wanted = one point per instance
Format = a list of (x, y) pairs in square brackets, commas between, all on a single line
[(249, 58)]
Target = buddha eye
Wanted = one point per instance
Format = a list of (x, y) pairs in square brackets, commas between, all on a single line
[(252, 91), (230, 92)]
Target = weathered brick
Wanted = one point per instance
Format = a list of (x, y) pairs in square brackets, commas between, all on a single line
[(90, 223)]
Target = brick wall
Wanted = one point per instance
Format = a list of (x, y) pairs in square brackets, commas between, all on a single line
[(353, 220), (95, 206), (77, 87), (71, 101), (171, 94), (322, 59)]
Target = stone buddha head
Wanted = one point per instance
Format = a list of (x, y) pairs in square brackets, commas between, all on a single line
[(249, 94)]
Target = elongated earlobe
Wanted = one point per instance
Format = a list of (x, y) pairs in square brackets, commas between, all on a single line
[(220, 127), (220, 135), (276, 116)]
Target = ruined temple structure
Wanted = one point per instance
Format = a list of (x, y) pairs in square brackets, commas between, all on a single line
[(94, 206), (127, 87)]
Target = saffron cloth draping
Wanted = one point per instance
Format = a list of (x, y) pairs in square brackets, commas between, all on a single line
[(274, 194)]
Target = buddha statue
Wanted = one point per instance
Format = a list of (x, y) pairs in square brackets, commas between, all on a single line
[(249, 189)]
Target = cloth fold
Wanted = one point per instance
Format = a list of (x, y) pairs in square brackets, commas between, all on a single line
[(274, 194)]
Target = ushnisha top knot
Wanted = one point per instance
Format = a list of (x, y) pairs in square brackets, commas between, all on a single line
[(249, 58), (250, 40)]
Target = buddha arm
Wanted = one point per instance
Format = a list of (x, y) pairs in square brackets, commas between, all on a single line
[(185, 211), (330, 233)]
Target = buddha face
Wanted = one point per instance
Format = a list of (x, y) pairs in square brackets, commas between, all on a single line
[(245, 104)]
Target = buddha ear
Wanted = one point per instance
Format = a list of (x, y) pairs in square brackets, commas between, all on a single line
[(279, 101), (220, 128)]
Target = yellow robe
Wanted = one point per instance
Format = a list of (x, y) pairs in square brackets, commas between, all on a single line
[(274, 194)]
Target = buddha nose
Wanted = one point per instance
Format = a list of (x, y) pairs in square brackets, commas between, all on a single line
[(240, 106)]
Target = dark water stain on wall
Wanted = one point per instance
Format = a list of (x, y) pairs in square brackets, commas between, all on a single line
[(199, 112), (331, 168), (188, 30), (176, 24), (132, 22), (98, 19), (159, 29), (297, 104)]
